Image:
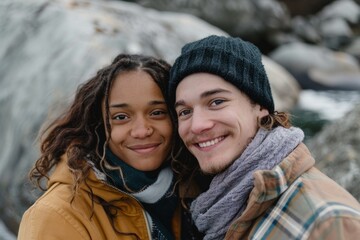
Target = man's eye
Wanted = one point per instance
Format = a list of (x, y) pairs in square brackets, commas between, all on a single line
[(217, 102), (184, 112)]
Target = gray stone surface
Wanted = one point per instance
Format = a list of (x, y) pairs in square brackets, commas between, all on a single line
[(5, 234), (319, 67), (337, 151)]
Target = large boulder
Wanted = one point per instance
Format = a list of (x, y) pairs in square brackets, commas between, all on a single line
[(319, 68), (5, 234), (256, 20), (284, 87)]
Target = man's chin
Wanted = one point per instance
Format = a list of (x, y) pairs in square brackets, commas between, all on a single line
[(214, 169)]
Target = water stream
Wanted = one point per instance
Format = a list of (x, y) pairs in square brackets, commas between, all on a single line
[(316, 108)]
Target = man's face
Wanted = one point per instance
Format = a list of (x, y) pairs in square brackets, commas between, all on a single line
[(216, 120)]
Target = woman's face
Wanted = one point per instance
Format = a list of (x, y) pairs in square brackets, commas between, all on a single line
[(141, 128)]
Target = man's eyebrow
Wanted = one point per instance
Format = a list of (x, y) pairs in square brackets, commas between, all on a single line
[(179, 103), (213, 91), (204, 95)]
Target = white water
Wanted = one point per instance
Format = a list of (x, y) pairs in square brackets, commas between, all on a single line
[(330, 105)]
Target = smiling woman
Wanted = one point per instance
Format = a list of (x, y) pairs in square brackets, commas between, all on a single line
[(107, 159)]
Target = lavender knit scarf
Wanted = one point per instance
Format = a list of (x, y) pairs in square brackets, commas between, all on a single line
[(214, 210)]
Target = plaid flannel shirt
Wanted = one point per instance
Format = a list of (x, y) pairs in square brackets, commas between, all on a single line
[(296, 201)]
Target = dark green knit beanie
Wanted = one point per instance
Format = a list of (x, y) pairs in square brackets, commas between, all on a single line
[(233, 59)]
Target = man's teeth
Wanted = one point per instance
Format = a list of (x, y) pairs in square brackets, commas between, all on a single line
[(210, 143)]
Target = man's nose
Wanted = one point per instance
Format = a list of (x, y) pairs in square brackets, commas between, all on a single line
[(200, 121)]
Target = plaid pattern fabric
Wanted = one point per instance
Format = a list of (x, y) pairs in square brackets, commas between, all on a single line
[(296, 201)]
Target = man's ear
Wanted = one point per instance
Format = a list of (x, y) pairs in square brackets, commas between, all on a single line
[(262, 112)]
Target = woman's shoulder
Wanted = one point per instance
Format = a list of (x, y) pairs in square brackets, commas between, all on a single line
[(56, 200), (51, 215)]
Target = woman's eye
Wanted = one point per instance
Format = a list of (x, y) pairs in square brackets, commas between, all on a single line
[(159, 113), (120, 117)]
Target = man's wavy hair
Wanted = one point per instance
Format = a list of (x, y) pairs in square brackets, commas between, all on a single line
[(80, 131)]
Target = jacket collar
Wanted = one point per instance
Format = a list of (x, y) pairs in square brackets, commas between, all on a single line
[(270, 184), (95, 181)]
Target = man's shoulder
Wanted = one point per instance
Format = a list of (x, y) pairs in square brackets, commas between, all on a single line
[(303, 206)]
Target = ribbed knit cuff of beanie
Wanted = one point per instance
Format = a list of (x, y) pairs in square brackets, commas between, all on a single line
[(235, 60)]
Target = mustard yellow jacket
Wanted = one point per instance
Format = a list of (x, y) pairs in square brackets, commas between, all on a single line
[(54, 216)]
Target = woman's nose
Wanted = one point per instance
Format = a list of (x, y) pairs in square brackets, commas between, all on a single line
[(141, 128)]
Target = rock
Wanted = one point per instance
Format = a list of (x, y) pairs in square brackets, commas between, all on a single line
[(354, 48), (335, 23), (337, 153), (305, 7), (284, 87), (336, 27), (319, 68), (269, 23), (5, 234), (343, 9), (249, 19), (305, 30)]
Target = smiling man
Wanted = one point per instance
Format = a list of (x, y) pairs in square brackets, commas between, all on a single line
[(265, 185)]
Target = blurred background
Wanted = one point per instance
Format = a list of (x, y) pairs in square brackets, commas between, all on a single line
[(311, 52)]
